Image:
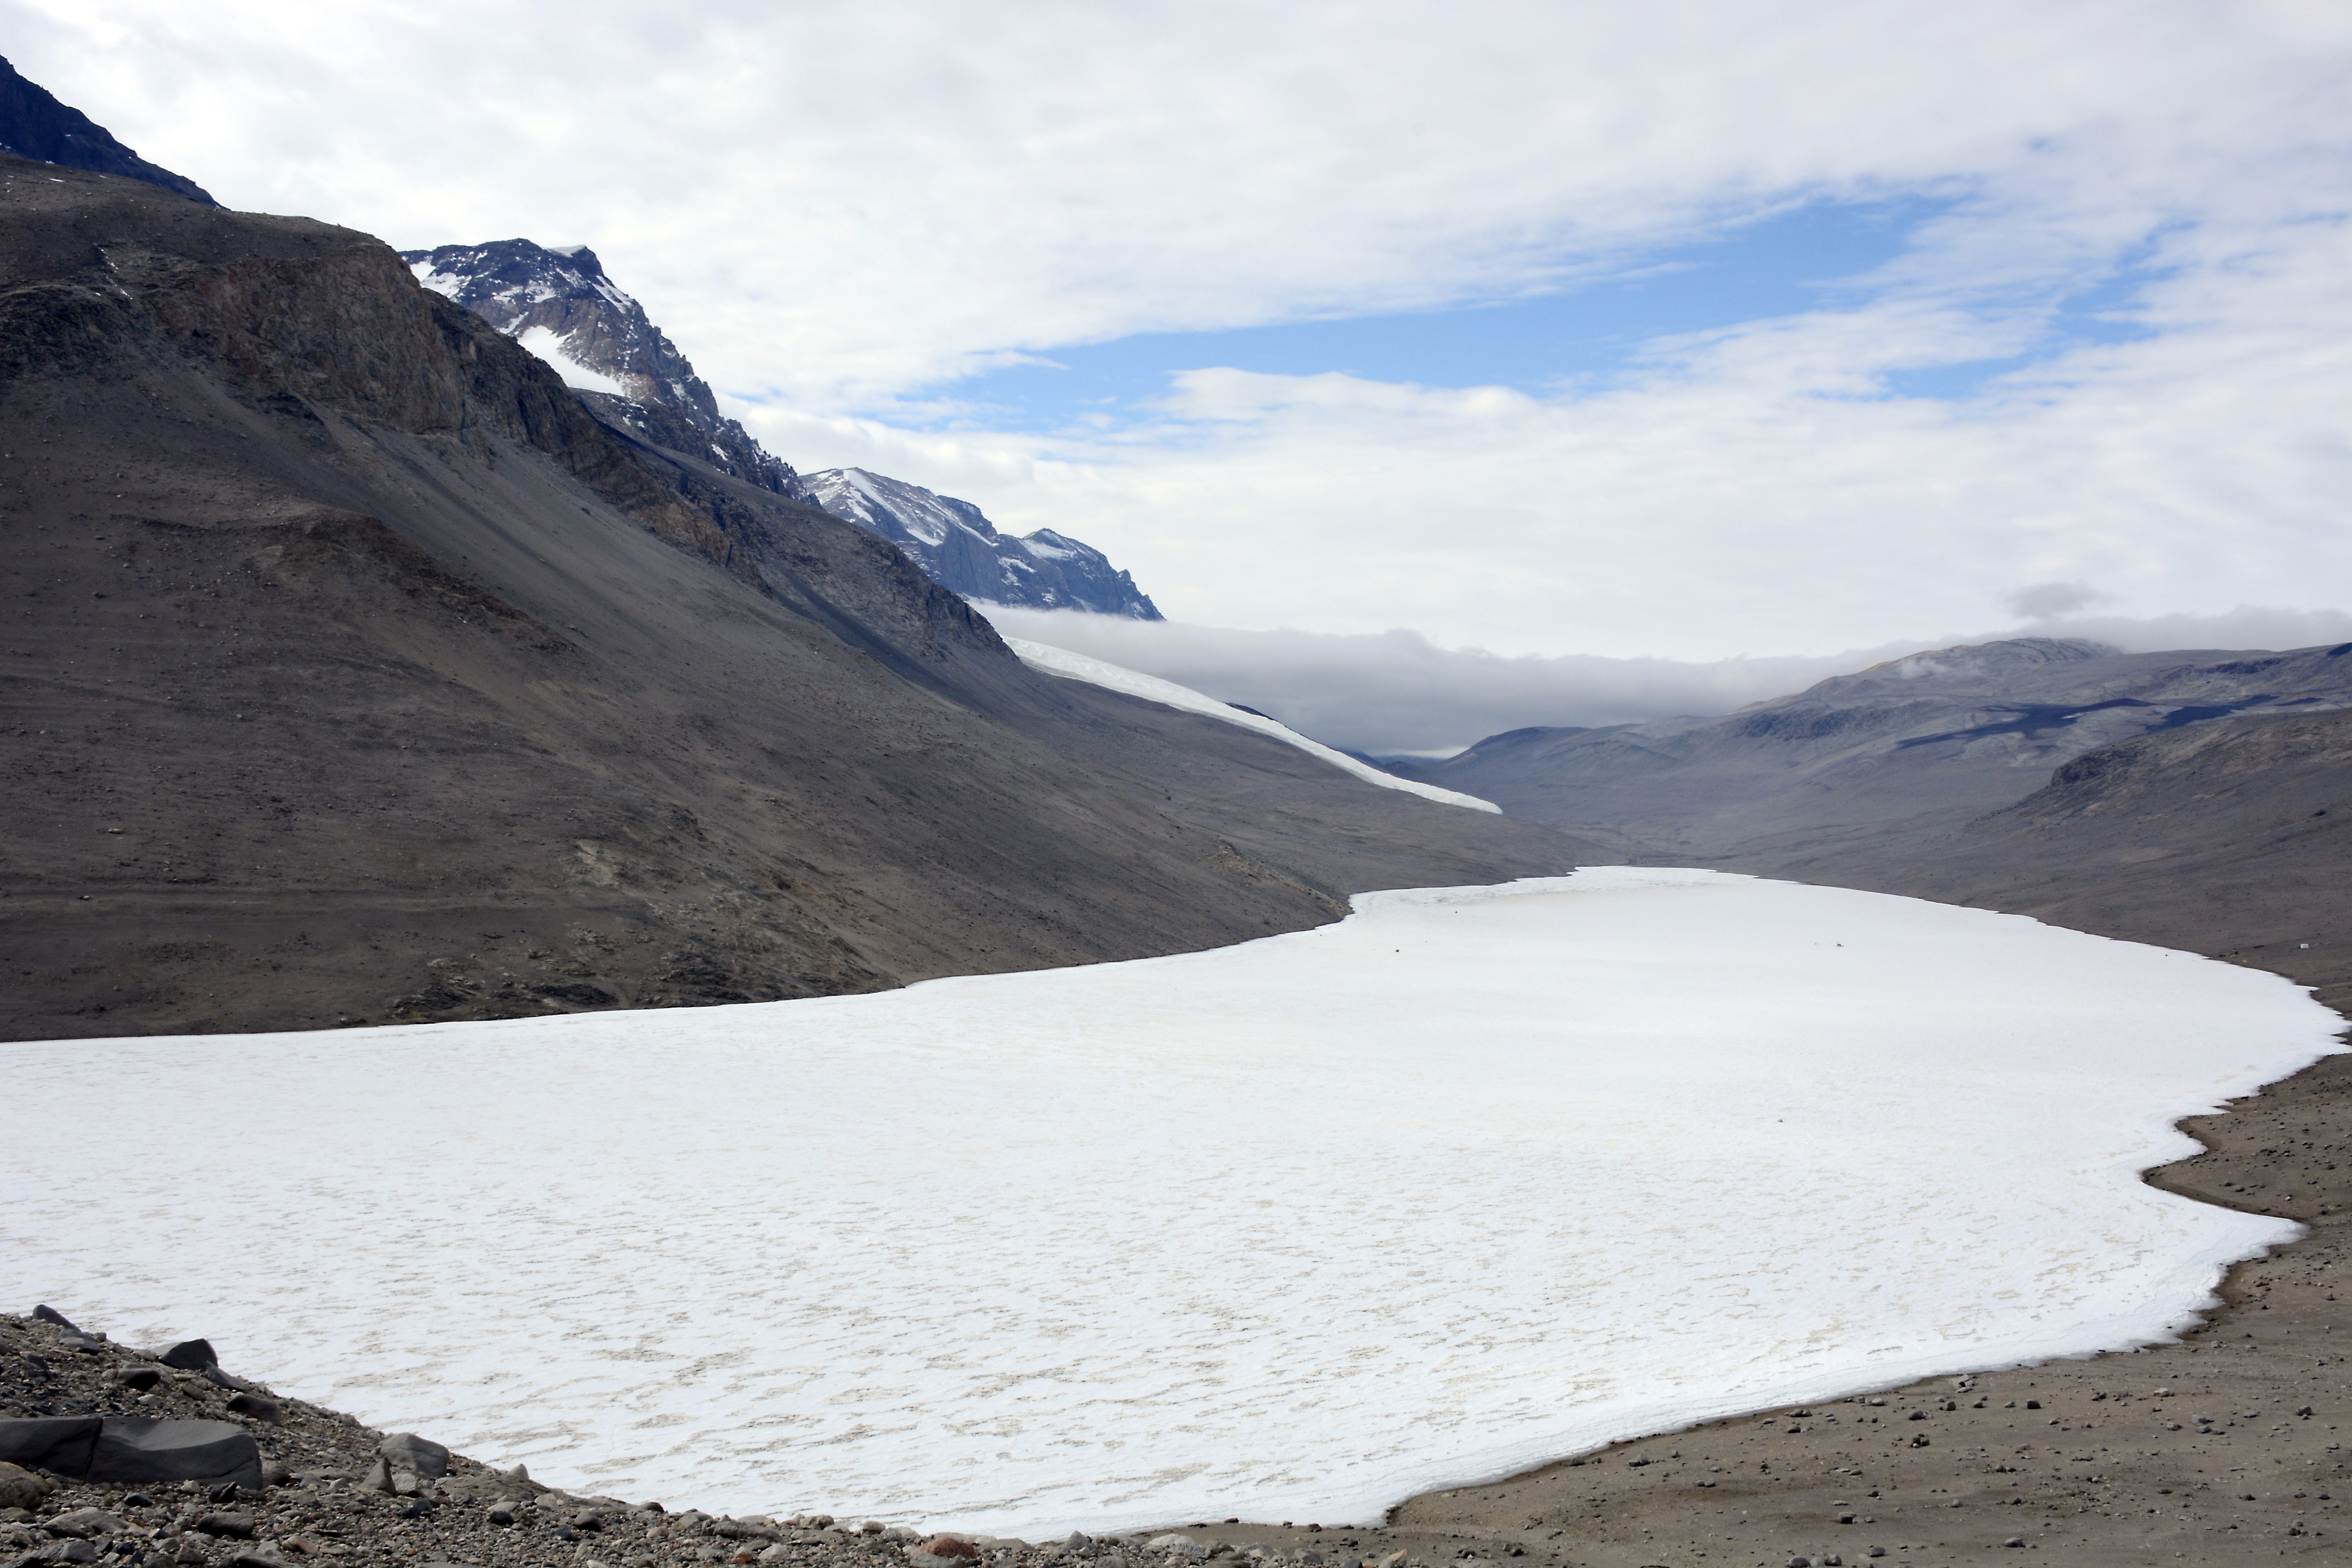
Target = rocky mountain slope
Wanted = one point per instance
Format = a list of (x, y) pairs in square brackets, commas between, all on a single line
[(354, 669), (1917, 744), (34, 124), (558, 303), (961, 549), (2231, 837)]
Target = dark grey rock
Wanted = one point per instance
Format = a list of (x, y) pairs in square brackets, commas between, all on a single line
[(259, 1406), (138, 1379), (51, 1315), (237, 1526), (189, 1355), (59, 1444), (132, 1450)]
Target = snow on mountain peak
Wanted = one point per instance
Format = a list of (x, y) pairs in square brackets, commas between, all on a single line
[(955, 543), (557, 302)]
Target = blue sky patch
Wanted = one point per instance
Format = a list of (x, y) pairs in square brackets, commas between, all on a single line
[(1793, 262)]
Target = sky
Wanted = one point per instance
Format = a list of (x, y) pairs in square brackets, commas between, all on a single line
[(1673, 333)]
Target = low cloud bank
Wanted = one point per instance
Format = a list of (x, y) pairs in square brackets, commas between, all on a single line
[(2247, 626), (1397, 692), (1394, 692)]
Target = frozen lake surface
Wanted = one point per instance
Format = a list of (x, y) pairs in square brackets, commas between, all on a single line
[(1477, 1178)]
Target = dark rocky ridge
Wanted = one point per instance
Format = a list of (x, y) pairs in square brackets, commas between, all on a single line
[(354, 670), (34, 124)]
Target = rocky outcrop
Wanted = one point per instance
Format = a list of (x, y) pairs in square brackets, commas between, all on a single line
[(34, 124)]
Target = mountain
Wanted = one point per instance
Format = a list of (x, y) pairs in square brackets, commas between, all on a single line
[(2230, 835), (2196, 800), (358, 668), (34, 124), (558, 302), (1917, 744), (961, 549)]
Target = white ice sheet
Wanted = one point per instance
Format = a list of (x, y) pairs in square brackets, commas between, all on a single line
[(1474, 1179), (1072, 666)]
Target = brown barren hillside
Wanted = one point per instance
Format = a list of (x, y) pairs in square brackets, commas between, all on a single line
[(354, 671)]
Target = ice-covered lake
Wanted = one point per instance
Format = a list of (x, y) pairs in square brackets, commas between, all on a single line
[(1477, 1178)]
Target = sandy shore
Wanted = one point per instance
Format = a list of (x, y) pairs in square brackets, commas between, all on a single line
[(2092, 1462)]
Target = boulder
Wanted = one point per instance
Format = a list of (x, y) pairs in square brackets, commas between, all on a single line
[(423, 1458), (83, 1522), (237, 1526), (189, 1355), (20, 1487), (51, 1315), (139, 1379), (259, 1407), (131, 1450)]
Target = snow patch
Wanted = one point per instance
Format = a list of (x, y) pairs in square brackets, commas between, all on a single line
[(543, 342), (1135, 683)]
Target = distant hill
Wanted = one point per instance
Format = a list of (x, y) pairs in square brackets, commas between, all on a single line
[(2197, 800), (34, 124), (963, 550), (1914, 745)]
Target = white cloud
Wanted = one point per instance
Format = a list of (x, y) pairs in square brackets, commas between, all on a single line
[(832, 206), (2051, 600)]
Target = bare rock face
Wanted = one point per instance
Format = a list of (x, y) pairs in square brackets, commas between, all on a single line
[(34, 124)]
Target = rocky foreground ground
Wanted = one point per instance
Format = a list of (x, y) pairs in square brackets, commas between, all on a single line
[(2228, 1447)]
